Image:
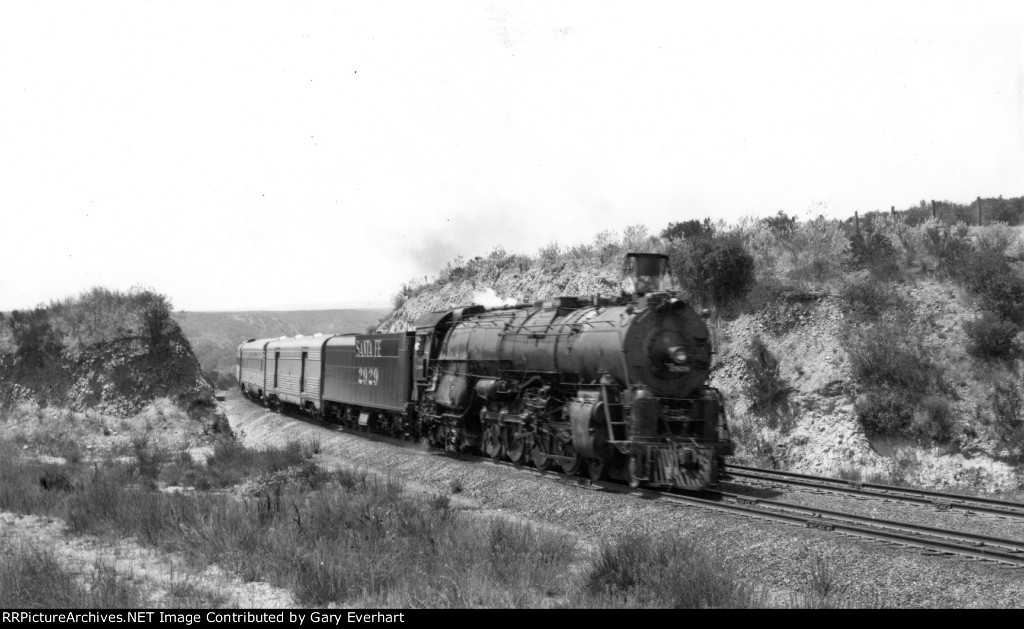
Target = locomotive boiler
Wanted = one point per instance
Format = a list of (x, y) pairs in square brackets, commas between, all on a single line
[(618, 385)]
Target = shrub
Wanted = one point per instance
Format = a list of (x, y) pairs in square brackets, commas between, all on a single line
[(765, 389), (715, 269), (884, 411), (949, 246), (688, 229), (977, 269), (991, 338), (933, 418), (1008, 412), (816, 249), (780, 223), (997, 236), (867, 299), (153, 311), (873, 250), (1004, 295), (36, 341), (882, 356)]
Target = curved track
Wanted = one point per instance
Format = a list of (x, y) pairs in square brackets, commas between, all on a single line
[(940, 500)]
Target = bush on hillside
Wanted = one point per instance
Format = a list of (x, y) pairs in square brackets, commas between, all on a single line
[(933, 419), (780, 223), (815, 249), (153, 314), (888, 411), (102, 315), (949, 246), (714, 269), (882, 356), (1008, 412), (884, 412), (688, 229), (1004, 296), (35, 340), (976, 269), (766, 391), (867, 299), (871, 249), (991, 338), (1009, 211), (997, 236)]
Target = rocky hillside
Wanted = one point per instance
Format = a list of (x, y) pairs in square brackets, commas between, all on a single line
[(106, 351), (872, 353)]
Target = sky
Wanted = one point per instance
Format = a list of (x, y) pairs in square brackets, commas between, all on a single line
[(249, 155)]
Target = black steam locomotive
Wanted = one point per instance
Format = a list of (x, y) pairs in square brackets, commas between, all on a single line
[(616, 385)]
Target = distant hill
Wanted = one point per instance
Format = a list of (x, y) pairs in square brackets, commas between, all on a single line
[(215, 336)]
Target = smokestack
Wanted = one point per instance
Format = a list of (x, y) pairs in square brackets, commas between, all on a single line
[(648, 271)]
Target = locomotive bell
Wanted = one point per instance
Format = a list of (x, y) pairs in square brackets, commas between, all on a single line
[(648, 271)]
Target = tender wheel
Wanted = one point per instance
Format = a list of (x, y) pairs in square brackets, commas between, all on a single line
[(539, 455), (493, 445), (516, 447), (595, 469), (574, 463)]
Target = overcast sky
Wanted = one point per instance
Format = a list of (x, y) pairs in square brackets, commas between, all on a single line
[(240, 155)]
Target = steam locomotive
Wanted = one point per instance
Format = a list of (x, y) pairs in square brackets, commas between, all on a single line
[(618, 386)]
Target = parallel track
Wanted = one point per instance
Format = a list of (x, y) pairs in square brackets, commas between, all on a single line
[(939, 500)]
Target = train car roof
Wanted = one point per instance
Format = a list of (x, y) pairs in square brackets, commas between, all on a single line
[(254, 344), (302, 341)]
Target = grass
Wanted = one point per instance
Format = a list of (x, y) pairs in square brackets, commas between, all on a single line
[(31, 578), (345, 537), (677, 572)]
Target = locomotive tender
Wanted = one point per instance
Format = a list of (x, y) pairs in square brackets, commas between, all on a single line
[(618, 385)]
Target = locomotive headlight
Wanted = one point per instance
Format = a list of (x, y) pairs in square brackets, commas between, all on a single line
[(677, 355)]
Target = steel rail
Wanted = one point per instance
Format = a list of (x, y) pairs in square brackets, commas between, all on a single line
[(1011, 545), (940, 500), (966, 549), (905, 534)]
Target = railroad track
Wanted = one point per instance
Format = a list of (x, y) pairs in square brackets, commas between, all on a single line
[(928, 539), (939, 500)]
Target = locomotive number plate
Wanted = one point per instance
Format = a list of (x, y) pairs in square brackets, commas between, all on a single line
[(368, 376)]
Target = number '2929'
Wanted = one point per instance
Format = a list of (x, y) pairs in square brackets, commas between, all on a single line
[(368, 376)]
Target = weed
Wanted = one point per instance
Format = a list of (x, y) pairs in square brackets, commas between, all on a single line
[(825, 579), (311, 447), (637, 571), (456, 486)]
